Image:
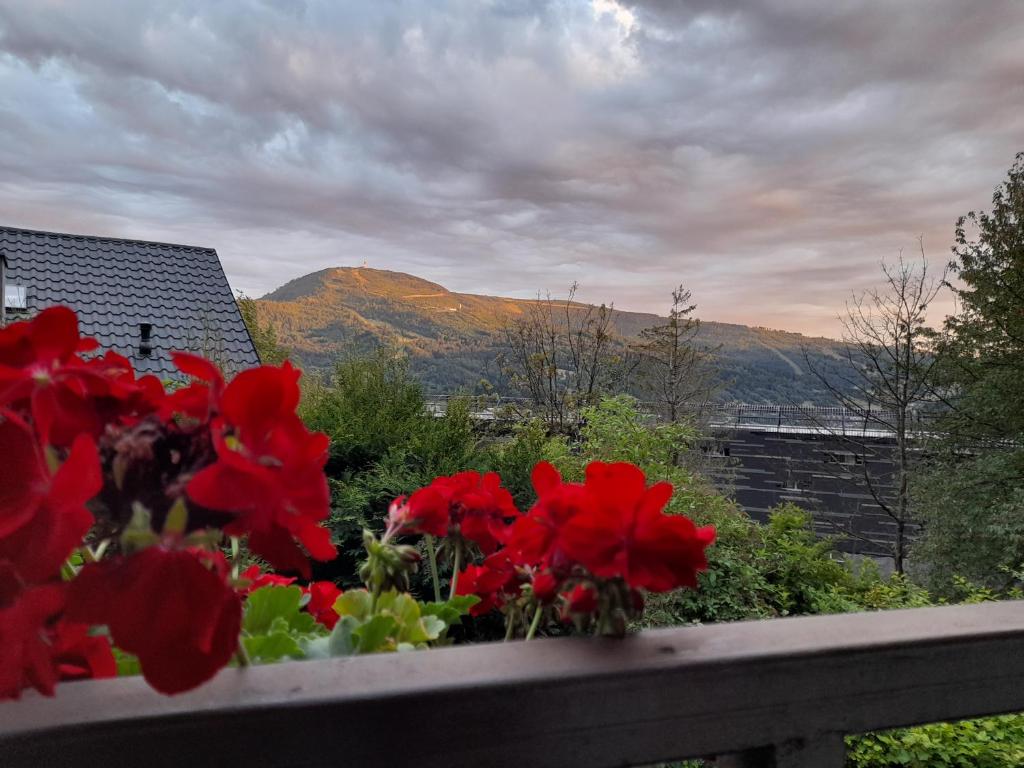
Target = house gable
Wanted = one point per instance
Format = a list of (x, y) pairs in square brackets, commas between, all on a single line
[(144, 300)]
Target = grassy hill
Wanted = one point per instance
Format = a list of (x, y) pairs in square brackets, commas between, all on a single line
[(454, 340)]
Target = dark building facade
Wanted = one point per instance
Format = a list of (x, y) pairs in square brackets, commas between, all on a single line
[(816, 459), (142, 299)]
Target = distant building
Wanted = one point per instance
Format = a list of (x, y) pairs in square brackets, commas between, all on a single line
[(767, 455), (144, 300)]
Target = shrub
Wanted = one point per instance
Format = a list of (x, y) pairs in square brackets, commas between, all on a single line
[(992, 742)]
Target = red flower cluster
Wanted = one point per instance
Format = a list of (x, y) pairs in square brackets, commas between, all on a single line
[(493, 581), (269, 469), (157, 478), (596, 546), (467, 505)]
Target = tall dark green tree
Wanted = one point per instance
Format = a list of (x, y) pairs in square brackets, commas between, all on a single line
[(973, 497)]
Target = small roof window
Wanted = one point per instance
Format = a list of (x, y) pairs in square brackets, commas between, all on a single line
[(15, 297)]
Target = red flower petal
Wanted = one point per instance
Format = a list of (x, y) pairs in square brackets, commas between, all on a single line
[(24, 615), (181, 635), (198, 367), (545, 478)]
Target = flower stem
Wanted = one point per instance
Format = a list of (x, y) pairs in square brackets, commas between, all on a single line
[(456, 564), (510, 624), (535, 623), (432, 554), (374, 594), (242, 655)]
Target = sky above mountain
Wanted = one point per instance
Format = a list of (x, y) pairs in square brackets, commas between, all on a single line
[(767, 154)]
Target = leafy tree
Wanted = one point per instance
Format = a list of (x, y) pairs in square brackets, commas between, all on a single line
[(264, 336), (367, 406), (972, 495)]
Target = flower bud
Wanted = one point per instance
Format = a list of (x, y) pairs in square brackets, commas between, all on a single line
[(387, 565)]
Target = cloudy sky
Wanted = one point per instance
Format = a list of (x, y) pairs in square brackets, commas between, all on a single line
[(765, 154)]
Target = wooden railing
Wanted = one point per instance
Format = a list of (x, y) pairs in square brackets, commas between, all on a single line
[(773, 693)]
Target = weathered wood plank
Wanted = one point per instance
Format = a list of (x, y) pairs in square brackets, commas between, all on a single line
[(657, 696)]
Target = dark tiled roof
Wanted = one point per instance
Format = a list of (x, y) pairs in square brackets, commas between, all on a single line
[(116, 285)]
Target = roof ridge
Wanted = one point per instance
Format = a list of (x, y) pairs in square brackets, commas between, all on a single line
[(102, 238)]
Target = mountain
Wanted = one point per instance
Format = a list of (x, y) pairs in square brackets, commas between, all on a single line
[(454, 340)]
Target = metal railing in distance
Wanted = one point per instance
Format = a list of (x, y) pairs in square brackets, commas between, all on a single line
[(757, 417), (779, 693)]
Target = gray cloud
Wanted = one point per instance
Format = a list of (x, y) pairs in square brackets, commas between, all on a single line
[(767, 155)]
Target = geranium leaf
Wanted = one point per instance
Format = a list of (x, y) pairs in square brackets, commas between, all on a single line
[(341, 642), (373, 635), (355, 603), (452, 611), (462, 603), (433, 627), (273, 647), (316, 647), (127, 663), (268, 603)]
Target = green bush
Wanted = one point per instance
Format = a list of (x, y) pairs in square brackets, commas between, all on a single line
[(384, 443), (991, 742)]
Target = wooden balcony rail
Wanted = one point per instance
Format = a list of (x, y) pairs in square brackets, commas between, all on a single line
[(778, 693)]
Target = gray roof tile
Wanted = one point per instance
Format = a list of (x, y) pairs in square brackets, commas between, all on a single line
[(115, 285)]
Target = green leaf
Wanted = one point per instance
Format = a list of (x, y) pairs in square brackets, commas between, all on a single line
[(177, 518), (316, 647), (356, 603), (341, 641), (273, 647), (462, 603), (127, 664), (374, 634), (267, 607), (433, 627), (451, 611)]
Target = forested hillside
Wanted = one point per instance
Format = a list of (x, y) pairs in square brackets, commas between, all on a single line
[(455, 340)]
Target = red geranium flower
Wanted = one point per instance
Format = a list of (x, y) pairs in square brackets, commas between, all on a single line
[(79, 655), (25, 613), (493, 582), (483, 509), (173, 609), (545, 586), (322, 596), (425, 511), (582, 601), (534, 538), (41, 372), (255, 579), (269, 470), (200, 400), (623, 532), (466, 504), (42, 516)]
